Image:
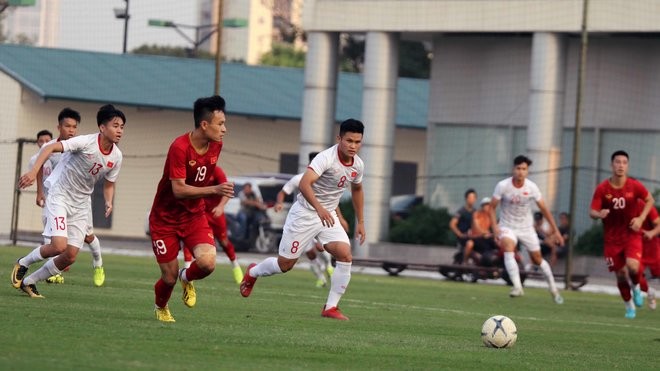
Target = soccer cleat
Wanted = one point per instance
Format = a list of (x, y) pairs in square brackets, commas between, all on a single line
[(31, 290), (248, 282), (638, 299), (651, 298), (334, 313), (163, 314), (329, 270), (58, 278), (189, 296), (238, 274), (557, 297), (99, 276), (630, 313), (17, 275), (320, 283), (516, 292)]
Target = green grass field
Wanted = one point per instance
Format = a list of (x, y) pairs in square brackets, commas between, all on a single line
[(396, 323)]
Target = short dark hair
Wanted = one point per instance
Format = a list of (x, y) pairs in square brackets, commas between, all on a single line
[(538, 216), (619, 153), (351, 126), (522, 159), (204, 107), (68, 113), (44, 132), (467, 193), (312, 155), (107, 113)]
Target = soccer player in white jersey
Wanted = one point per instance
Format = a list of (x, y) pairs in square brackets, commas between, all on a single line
[(88, 158), (320, 263), (313, 216), (516, 194), (67, 126)]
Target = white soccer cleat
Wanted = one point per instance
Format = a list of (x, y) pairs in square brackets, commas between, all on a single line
[(557, 297), (516, 292)]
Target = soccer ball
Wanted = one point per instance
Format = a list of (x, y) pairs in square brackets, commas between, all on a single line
[(499, 332)]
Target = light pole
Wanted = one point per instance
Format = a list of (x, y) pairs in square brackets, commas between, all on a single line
[(123, 14)]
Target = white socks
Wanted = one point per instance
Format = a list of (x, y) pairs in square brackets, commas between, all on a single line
[(338, 283), (547, 272), (47, 270), (512, 268), (316, 267), (268, 267), (31, 258), (95, 248)]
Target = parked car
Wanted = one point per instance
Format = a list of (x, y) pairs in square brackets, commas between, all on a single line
[(402, 205)]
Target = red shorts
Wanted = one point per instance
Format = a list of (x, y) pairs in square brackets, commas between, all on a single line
[(218, 225), (166, 238), (616, 255), (651, 256)]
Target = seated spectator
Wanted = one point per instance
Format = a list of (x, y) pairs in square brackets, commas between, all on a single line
[(564, 229), (485, 249), (548, 245), (461, 223)]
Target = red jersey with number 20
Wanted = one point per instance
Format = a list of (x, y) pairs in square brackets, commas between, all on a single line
[(623, 205), (183, 162)]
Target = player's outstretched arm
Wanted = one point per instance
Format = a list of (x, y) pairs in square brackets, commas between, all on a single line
[(182, 190), (559, 239), (357, 194), (108, 196), (28, 178), (636, 222), (307, 192), (493, 217)]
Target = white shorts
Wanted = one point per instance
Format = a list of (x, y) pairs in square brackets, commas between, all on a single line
[(63, 220), (302, 226), (528, 237), (90, 224)]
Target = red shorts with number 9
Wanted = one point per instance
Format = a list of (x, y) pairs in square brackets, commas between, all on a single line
[(616, 255), (166, 237)]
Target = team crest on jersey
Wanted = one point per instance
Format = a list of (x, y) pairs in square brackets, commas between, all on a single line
[(525, 193), (110, 164), (192, 162), (213, 160), (608, 196), (353, 174), (628, 195)]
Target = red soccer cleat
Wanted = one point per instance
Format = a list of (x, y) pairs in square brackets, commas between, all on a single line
[(248, 282), (333, 312)]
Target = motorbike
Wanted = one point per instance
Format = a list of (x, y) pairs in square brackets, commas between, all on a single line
[(489, 266), (260, 236)]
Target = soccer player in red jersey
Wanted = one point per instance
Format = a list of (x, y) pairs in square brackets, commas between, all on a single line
[(650, 253), (215, 215), (178, 211), (615, 201)]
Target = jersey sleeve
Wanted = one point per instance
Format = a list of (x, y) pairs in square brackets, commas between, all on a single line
[(321, 162), (536, 192), (640, 191), (177, 160), (292, 185), (597, 199), (360, 170), (653, 215), (111, 176), (77, 143), (499, 190), (219, 175)]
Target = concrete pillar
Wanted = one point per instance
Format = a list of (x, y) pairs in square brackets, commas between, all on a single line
[(546, 97), (318, 116), (378, 115)]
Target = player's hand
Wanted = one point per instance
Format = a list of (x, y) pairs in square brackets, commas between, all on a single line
[(41, 199), (360, 235), (218, 211), (108, 209), (326, 218), (559, 239), (648, 235), (225, 189), (26, 180), (603, 213), (636, 223), (278, 207)]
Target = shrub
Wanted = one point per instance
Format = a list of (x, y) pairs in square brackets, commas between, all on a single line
[(425, 226), (591, 241)]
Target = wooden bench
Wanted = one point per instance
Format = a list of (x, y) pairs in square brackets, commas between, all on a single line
[(462, 272)]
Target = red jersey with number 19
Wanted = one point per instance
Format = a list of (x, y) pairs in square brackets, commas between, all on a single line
[(183, 162), (622, 203)]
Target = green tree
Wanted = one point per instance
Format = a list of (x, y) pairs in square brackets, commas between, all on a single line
[(283, 55), (172, 51), (414, 59)]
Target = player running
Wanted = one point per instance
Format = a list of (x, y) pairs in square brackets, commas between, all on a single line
[(178, 212), (517, 193), (313, 216), (88, 158), (615, 201), (650, 253)]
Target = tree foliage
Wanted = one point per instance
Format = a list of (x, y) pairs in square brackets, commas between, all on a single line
[(283, 55), (172, 51)]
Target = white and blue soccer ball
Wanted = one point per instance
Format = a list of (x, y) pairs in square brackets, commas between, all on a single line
[(499, 332)]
